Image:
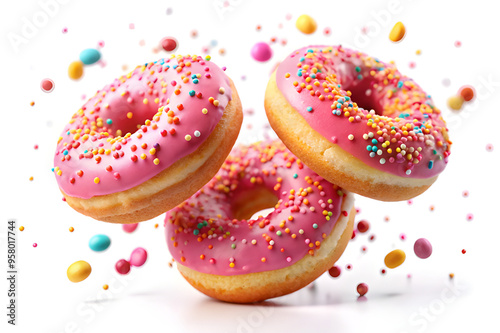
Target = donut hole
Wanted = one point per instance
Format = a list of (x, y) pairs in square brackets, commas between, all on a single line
[(252, 201), (362, 94)]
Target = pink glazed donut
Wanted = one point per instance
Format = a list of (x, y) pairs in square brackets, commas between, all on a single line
[(358, 122), (149, 140), (230, 258)]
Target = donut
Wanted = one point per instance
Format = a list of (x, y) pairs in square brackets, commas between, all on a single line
[(149, 140), (358, 122), (226, 255)]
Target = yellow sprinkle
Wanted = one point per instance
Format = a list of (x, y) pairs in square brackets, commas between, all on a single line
[(71, 229), (97, 180), (143, 156), (59, 172), (222, 90), (129, 115), (205, 111), (395, 258), (231, 265), (187, 137), (31, 179), (105, 287), (156, 161), (398, 32), (418, 52), (79, 271), (145, 101), (21, 228), (152, 151)]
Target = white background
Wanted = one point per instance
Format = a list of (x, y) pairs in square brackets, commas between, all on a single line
[(155, 298)]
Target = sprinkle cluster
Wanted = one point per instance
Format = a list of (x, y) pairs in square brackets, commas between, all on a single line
[(139, 120), (402, 127), (205, 234)]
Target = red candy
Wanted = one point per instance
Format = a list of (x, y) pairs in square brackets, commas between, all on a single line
[(129, 228), (362, 289), (334, 271), (363, 226), (122, 266)]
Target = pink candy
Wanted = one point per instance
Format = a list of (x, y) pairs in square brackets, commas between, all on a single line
[(138, 257), (129, 228), (261, 52), (422, 248)]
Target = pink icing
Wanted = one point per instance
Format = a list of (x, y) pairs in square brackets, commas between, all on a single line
[(203, 234), (139, 125), (405, 135)]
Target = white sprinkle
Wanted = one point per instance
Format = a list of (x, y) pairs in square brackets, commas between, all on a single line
[(408, 172), (350, 137), (370, 135), (365, 136), (197, 134), (301, 231), (372, 154), (382, 161), (379, 152)]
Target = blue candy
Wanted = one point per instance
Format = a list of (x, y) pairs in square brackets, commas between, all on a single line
[(90, 56), (99, 243)]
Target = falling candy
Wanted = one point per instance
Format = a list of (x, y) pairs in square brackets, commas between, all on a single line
[(261, 52), (99, 243), (422, 248), (90, 56), (79, 271), (138, 257), (306, 24), (398, 32), (394, 258)]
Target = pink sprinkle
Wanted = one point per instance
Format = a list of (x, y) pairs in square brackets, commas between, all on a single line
[(458, 43), (47, 85), (289, 259), (327, 31), (131, 26), (35, 244), (402, 236), (489, 147), (470, 217), (100, 43), (412, 64), (465, 194), (64, 30), (35, 147)]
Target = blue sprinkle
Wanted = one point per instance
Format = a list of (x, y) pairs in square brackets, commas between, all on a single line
[(85, 151), (313, 76), (309, 109), (194, 76), (374, 141), (195, 81), (339, 106), (52, 169), (310, 51), (360, 77), (347, 98), (174, 66), (65, 152), (192, 93), (302, 59), (369, 148), (400, 84), (374, 149), (67, 133), (315, 226), (109, 121), (295, 175), (299, 73), (196, 232), (431, 164)]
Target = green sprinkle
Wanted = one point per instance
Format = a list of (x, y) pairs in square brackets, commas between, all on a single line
[(315, 226), (278, 232), (233, 246)]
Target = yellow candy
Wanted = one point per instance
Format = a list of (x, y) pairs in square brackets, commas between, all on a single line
[(79, 271), (398, 32), (306, 24), (455, 102), (75, 70), (394, 258)]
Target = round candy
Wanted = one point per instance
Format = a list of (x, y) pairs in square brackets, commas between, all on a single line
[(398, 32), (394, 258), (261, 52), (306, 24), (47, 85), (129, 228), (334, 271), (99, 243), (169, 44), (122, 266), (467, 93), (138, 257), (362, 289), (422, 248), (79, 271), (90, 56), (75, 70), (455, 102), (363, 226)]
